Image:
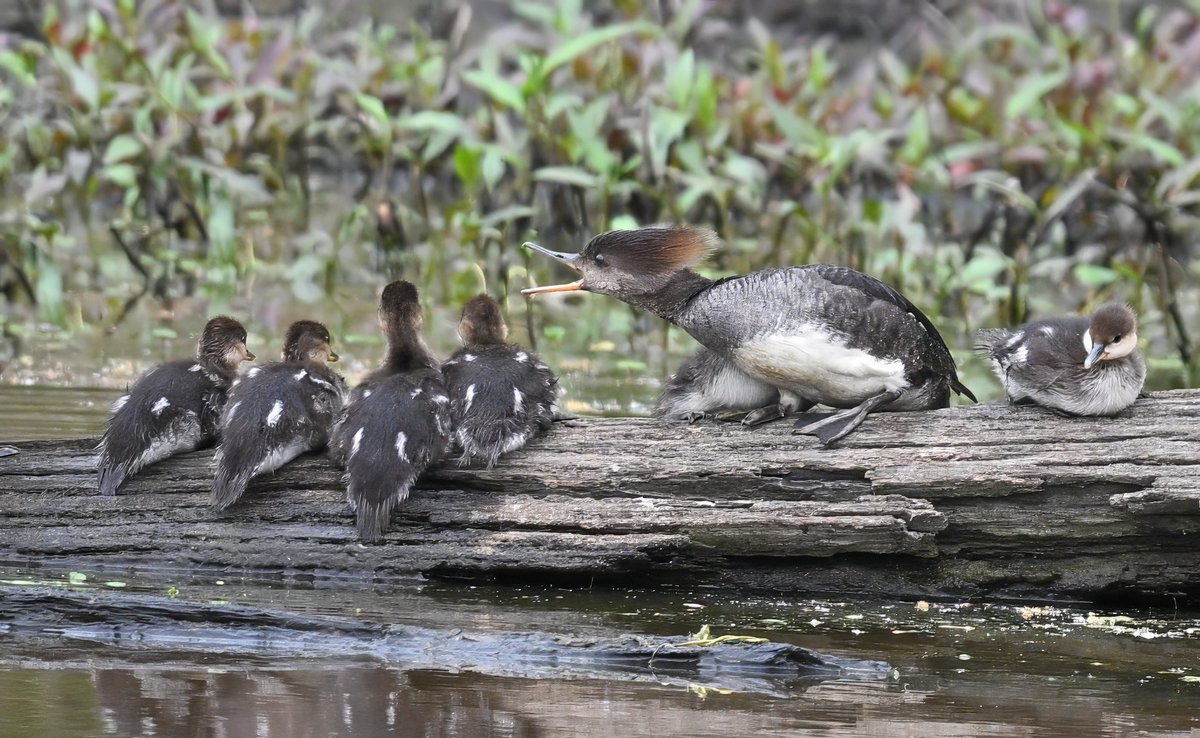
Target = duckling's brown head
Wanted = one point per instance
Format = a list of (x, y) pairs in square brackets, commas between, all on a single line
[(400, 308), (1111, 335), (223, 342), (632, 263), (482, 321), (308, 341)]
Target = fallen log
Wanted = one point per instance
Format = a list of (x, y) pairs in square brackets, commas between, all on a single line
[(141, 622), (988, 501)]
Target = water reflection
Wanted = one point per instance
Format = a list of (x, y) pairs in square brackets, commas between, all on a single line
[(982, 670), (346, 699)]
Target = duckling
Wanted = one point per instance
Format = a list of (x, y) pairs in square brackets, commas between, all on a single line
[(817, 333), (278, 411), (501, 396), (398, 421), (705, 385), (1073, 365), (173, 408)]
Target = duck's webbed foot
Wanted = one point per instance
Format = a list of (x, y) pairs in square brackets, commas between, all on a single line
[(788, 403), (694, 417), (730, 416), (831, 429)]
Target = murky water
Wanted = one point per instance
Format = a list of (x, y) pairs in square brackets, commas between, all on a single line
[(960, 670)]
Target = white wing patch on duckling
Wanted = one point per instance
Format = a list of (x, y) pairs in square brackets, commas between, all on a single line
[(254, 372), (120, 403), (1016, 338), (1047, 331), (356, 442), (522, 357), (468, 357), (470, 397), (279, 456), (416, 393), (320, 382), (820, 366), (518, 400), (275, 414), (366, 394), (195, 368), (441, 399), (161, 404), (300, 374), (401, 442)]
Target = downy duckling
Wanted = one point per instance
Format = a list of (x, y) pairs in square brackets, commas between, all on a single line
[(1074, 365), (173, 408), (398, 422), (705, 385), (501, 395), (278, 411), (817, 333)]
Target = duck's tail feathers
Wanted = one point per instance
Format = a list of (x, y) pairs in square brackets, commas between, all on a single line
[(489, 440), (987, 339), (962, 389), (229, 483), (373, 490), (109, 477)]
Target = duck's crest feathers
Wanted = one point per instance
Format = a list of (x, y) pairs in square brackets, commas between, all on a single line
[(653, 250)]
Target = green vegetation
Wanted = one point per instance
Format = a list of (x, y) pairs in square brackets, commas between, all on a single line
[(999, 167)]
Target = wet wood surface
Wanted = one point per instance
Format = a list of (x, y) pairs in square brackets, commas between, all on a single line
[(988, 501), (135, 622)]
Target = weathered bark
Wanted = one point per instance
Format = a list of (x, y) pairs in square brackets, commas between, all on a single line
[(983, 501)]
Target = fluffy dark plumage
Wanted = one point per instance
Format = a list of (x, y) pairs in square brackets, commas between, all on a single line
[(401, 319), (388, 438), (398, 420), (1044, 362), (501, 396), (173, 408), (278, 412)]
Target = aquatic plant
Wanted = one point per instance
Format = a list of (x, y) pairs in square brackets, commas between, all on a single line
[(996, 164)]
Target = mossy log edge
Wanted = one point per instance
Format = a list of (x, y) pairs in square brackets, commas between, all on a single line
[(988, 501)]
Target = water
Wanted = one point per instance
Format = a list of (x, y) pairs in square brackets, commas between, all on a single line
[(960, 670)]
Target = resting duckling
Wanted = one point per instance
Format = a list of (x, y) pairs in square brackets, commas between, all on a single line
[(501, 396), (1074, 365), (278, 411), (398, 421), (706, 385), (173, 408)]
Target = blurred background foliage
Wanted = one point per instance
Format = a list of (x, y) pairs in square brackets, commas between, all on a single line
[(995, 161)]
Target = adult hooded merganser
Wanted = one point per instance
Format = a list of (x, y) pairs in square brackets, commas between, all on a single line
[(398, 422), (818, 333), (173, 408), (500, 394), (1074, 365), (705, 385), (278, 411)]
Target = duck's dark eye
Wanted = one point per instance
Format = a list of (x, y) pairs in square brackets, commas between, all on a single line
[(599, 259), (1117, 338)]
